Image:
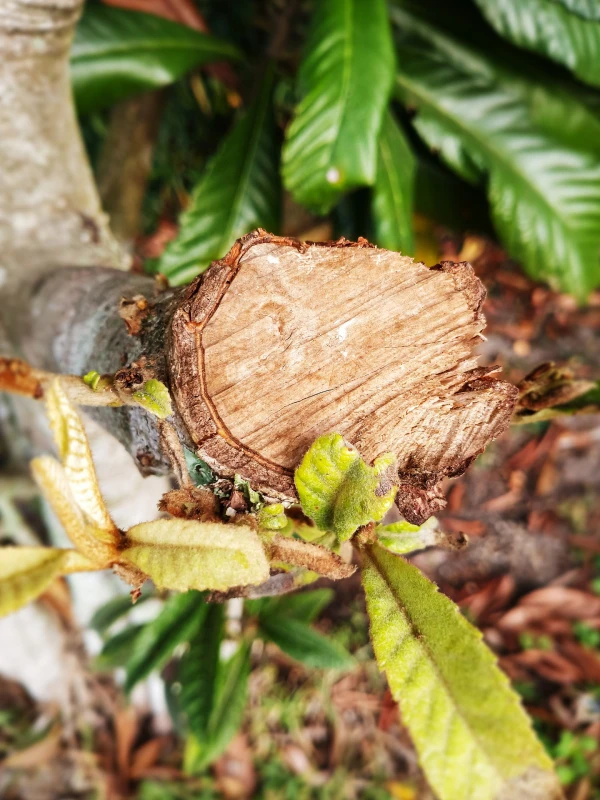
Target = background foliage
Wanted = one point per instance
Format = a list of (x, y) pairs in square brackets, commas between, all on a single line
[(501, 96)]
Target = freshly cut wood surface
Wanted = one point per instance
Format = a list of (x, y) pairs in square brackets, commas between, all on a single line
[(280, 342)]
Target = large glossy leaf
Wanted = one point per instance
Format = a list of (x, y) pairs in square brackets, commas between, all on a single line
[(544, 191), (198, 672), (301, 642), (552, 28), (177, 622), (473, 738), (239, 191), (117, 53), (302, 606), (227, 713), (186, 554), (344, 83), (25, 572), (588, 9), (393, 191), (337, 489), (117, 650), (114, 609)]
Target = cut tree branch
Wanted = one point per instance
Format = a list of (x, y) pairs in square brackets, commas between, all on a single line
[(281, 341)]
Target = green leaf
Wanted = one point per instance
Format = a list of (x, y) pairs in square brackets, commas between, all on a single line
[(344, 82), (338, 491), (544, 191), (404, 537), (239, 191), (551, 28), (177, 622), (155, 398), (26, 572), (226, 717), (588, 9), (185, 554), (392, 200), (117, 53), (304, 644), (114, 609), (302, 606), (117, 650), (198, 672), (273, 518), (474, 740)]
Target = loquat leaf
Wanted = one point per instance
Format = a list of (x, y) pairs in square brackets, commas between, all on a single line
[(473, 738), (76, 457), (177, 622), (338, 490), (155, 398), (93, 542), (273, 518), (25, 572), (185, 554), (404, 537)]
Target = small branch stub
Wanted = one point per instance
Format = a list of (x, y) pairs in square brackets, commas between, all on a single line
[(282, 341)]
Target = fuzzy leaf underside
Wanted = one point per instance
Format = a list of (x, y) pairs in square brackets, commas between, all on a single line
[(331, 143), (530, 146), (90, 540), (473, 738), (26, 572), (186, 554), (117, 53), (239, 191), (551, 28), (76, 458), (337, 490), (392, 200), (177, 622)]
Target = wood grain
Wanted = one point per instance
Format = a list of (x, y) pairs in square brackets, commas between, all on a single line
[(280, 342)]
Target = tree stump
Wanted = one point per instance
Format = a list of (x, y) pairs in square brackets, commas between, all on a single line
[(282, 341)]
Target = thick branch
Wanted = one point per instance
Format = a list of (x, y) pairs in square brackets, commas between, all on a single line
[(71, 323)]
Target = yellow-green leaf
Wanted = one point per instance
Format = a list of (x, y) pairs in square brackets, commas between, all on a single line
[(273, 518), (154, 397), (76, 457), (337, 489), (186, 554), (472, 735), (91, 541), (25, 572), (404, 537)]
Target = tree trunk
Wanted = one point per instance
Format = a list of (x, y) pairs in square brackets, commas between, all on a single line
[(50, 215)]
